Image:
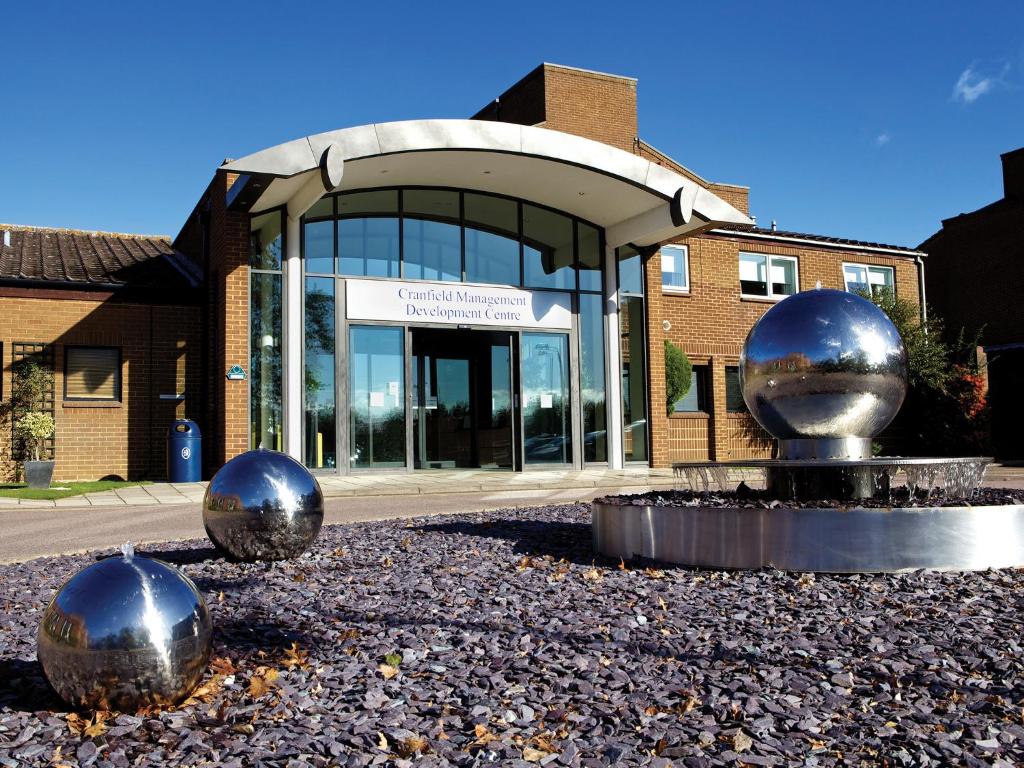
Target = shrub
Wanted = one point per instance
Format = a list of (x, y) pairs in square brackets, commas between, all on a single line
[(36, 426), (944, 413), (678, 373)]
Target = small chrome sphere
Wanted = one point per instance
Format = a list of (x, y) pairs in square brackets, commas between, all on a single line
[(125, 633), (823, 364), (263, 505)]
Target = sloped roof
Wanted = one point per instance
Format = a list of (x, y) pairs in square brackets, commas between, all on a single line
[(76, 258), (767, 233)]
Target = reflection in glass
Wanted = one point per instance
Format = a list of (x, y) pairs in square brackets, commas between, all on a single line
[(631, 278), (377, 396), (588, 247), (592, 387), (547, 249), (384, 201), (492, 240), (265, 241), (432, 248), (693, 400), (319, 382), (265, 360), (319, 247), (368, 247), (634, 379), (544, 362), (322, 208)]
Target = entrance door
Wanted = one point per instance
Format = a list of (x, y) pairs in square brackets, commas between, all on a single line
[(462, 399), (547, 422)]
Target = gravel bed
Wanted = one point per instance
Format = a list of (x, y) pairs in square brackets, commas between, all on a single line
[(498, 638), (752, 498)]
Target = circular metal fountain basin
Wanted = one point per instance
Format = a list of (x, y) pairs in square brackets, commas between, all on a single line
[(838, 540)]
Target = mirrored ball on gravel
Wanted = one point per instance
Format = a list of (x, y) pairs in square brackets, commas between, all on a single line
[(124, 633), (263, 505), (823, 364)]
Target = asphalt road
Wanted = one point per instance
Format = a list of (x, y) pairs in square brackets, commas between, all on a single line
[(33, 532)]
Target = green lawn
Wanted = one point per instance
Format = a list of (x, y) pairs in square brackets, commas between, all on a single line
[(61, 490)]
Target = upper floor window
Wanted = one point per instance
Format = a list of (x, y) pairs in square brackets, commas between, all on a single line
[(675, 267), (92, 373), (861, 278), (768, 276)]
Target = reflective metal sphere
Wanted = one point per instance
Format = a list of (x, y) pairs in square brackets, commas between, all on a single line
[(823, 364), (263, 505), (124, 633)]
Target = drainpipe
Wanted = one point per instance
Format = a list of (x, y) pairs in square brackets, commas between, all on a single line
[(920, 285)]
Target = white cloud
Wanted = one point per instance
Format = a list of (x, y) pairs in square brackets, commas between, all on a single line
[(883, 138), (972, 84)]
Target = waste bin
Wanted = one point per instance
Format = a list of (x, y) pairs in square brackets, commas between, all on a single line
[(184, 452)]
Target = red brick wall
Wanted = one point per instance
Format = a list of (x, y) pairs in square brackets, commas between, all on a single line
[(160, 353), (592, 105), (710, 324), (228, 277)]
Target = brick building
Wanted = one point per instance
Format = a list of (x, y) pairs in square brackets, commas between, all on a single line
[(492, 292), (975, 267), (116, 318)]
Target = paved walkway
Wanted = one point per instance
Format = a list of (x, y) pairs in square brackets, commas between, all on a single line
[(438, 482)]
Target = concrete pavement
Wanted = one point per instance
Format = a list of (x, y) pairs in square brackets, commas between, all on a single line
[(166, 511), (33, 532)]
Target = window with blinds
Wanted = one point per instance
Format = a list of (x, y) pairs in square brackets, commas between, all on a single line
[(92, 373)]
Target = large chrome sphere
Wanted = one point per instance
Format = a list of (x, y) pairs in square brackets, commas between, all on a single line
[(263, 505), (124, 633), (823, 364)]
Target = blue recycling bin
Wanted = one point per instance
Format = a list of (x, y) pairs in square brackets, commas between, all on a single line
[(184, 452)]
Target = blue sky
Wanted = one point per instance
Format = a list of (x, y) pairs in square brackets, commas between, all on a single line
[(870, 120)]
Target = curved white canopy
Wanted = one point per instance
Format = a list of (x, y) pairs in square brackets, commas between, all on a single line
[(634, 200)]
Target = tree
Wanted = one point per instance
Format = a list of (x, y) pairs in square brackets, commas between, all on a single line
[(944, 412), (678, 374)]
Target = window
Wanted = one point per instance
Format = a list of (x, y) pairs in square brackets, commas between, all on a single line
[(733, 392), (492, 239), (860, 278), (768, 276), (547, 249), (368, 234), (266, 244), (675, 267), (92, 373), (695, 398)]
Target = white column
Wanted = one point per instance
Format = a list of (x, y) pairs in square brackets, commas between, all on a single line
[(613, 354), (292, 340)]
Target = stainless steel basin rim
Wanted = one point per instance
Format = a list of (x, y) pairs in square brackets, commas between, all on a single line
[(844, 540)]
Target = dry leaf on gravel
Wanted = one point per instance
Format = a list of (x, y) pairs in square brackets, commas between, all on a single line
[(388, 671), (295, 657), (262, 681)]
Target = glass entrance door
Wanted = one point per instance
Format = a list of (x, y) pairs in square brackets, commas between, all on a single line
[(462, 399), (547, 422)]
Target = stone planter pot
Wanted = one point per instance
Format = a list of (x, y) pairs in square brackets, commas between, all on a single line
[(38, 474)]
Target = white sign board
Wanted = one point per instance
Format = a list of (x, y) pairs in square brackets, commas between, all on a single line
[(456, 304)]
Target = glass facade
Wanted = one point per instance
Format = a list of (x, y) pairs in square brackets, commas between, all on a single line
[(377, 396), (592, 378), (547, 428), (266, 245), (320, 423), (498, 399), (633, 345)]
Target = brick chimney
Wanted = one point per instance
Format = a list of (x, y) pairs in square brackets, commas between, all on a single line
[(1013, 174), (589, 104)]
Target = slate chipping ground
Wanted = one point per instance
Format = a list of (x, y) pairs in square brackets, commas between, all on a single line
[(496, 638)]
